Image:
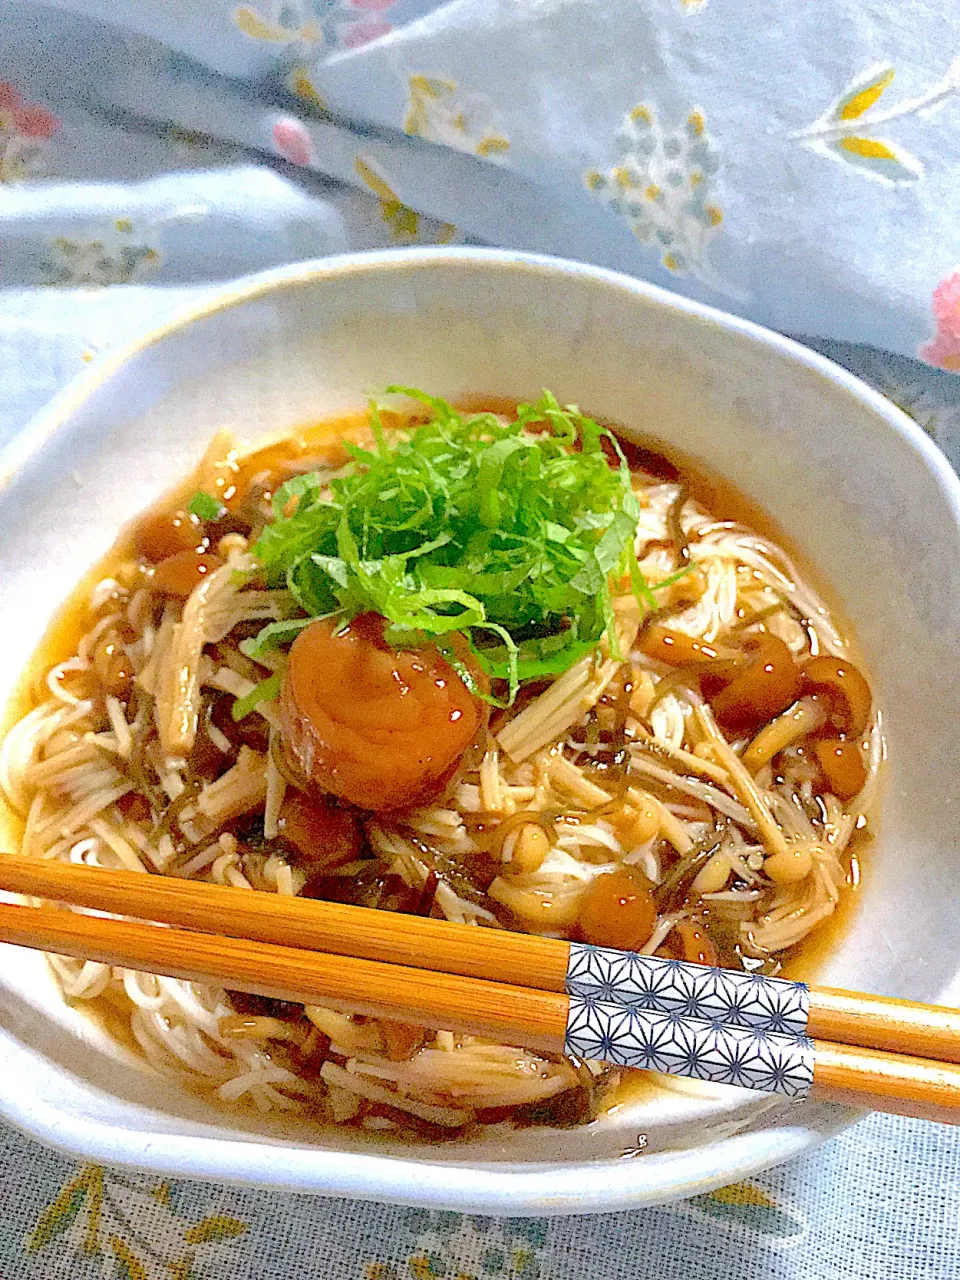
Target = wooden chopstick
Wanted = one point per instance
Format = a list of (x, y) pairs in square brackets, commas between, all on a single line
[(891, 1082), (537, 1019), (438, 1000), (388, 936), (440, 946)]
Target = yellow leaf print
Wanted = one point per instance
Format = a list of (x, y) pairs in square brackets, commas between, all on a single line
[(868, 147), (421, 1268), (881, 159), (216, 1227), (742, 1193), (404, 222), (252, 25), (161, 1193), (93, 1175), (379, 1271), (57, 1217), (493, 145), (857, 103), (522, 1260), (300, 84), (112, 1205), (748, 1206), (87, 1189), (374, 181), (131, 1266), (438, 111), (845, 131), (430, 87)]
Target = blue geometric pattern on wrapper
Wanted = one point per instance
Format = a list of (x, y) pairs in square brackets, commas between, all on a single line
[(709, 1024), (671, 986)]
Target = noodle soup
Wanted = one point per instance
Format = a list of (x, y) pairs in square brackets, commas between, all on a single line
[(493, 667)]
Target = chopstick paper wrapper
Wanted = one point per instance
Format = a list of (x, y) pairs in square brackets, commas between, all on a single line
[(740, 1029)]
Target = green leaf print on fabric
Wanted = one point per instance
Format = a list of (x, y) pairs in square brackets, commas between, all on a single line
[(57, 1217), (130, 1223)]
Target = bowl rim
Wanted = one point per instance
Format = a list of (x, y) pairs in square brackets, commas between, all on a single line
[(501, 1189), (515, 1189), (42, 425)]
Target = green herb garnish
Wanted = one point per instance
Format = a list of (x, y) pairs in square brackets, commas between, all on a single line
[(273, 635), (265, 691), (204, 507), (508, 532)]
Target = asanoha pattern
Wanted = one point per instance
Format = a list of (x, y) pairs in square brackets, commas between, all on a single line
[(682, 1019), (675, 987)]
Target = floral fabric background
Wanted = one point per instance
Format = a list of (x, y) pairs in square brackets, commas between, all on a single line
[(880, 1201), (798, 164), (794, 164)]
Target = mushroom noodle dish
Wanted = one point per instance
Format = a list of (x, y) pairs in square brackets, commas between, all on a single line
[(504, 668)]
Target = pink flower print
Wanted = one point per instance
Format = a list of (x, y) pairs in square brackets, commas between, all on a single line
[(36, 122), (946, 305), (292, 140), (29, 121), (25, 129), (356, 34), (943, 349)]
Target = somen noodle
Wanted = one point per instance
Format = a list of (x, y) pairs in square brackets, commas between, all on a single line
[(474, 667)]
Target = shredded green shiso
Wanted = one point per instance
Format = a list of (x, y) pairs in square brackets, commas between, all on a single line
[(204, 507), (508, 532)]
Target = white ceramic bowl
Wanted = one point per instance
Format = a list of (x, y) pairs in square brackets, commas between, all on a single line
[(853, 481)]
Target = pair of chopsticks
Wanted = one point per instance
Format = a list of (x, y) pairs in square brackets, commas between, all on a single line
[(869, 1051)]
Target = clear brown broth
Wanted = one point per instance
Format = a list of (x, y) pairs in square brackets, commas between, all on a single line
[(714, 492)]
